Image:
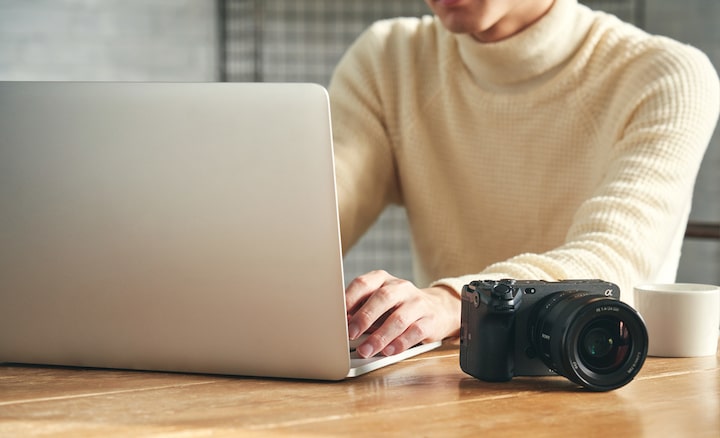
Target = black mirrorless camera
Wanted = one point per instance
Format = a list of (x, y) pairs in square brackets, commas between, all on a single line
[(576, 328)]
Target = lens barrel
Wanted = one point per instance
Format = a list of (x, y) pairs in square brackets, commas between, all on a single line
[(595, 341)]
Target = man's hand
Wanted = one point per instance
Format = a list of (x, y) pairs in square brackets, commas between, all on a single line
[(398, 314)]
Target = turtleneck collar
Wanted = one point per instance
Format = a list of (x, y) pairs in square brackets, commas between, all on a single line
[(531, 55)]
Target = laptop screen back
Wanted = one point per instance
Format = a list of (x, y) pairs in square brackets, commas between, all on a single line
[(183, 227)]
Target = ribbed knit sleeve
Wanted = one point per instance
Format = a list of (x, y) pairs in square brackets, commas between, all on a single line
[(365, 165)]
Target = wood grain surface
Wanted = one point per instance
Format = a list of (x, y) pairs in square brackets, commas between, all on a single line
[(424, 396)]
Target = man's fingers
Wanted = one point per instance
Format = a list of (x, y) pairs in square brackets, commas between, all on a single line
[(414, 335), (405, 325), (396, 314), (362, 287), (369, 299), (410, 315), (374, 309)]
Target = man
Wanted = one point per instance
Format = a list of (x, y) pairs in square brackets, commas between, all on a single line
[(528, 139)]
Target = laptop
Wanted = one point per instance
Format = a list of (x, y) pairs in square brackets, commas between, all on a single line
[(189, 227)]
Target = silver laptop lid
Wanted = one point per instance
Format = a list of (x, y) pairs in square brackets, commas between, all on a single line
[(183, 227)]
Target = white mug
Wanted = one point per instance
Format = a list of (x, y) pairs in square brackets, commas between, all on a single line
[(682, 319)]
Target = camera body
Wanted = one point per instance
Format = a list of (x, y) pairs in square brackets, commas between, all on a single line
[(575, 328)]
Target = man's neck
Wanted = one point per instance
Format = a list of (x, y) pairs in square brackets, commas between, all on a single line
[(522, 16)]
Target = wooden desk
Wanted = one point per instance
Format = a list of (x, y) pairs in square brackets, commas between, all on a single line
[(426, 396)]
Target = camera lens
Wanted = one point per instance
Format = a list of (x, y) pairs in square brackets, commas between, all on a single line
[(595, 341)]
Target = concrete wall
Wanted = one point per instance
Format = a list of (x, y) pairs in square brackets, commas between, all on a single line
[(124, 40)]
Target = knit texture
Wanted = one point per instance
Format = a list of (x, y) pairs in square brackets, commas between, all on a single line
[(569, 150)]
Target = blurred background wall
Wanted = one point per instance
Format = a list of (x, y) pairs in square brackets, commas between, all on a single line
[(293, 40)]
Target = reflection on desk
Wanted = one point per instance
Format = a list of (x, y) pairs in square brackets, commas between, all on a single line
[(428, 395)]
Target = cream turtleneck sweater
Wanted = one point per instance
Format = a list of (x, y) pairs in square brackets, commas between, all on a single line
[(569, 150)]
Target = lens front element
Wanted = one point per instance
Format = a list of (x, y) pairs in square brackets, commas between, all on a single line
[(604, 345)]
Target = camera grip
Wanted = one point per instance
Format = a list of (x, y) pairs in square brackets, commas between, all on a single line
[(496, 342), (487, 332)]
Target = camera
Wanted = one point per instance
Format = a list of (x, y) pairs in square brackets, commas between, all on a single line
[(575, 328)]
